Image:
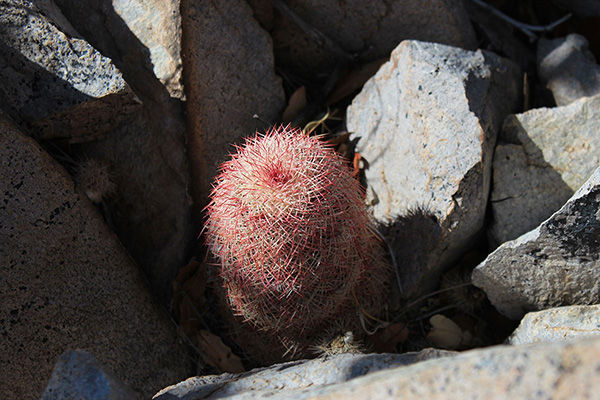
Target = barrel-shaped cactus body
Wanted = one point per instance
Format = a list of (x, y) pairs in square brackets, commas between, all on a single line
[(295, 245)]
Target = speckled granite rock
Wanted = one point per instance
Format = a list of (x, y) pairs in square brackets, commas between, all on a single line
[(568, 68), (556, 371), (143, 37), (151, 210), (77, 375), (426, 125), (566, 370), (558, 324), (556, 264), (371, 32), (294, 375), (230, 77), (542, 158), (66, 282), (46, 69)]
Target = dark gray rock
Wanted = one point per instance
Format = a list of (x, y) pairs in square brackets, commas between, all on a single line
[(582, 8), (426, 125), (542, 158), (151, 209), (280, 378), (46, 72), (142, 37), (556, 264), (558, 324), (352, 29), (78, 375), (568, 68), (68, 283), (230, 77)]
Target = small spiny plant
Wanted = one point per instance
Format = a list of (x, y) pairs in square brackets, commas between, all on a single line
[(295, 245), (95, 179)]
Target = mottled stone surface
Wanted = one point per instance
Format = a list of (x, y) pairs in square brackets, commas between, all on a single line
[(543, 371), (568, 68), (143, 37), (78, 375), (229, 77), (352, 29), (558, 324), (151, 208), (426, 125), (67, 283), (45, 71), (542, 158), (281, 378), (566, 370), (556, 264)]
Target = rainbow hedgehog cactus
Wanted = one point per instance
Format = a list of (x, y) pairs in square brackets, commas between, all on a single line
[(296, 247)]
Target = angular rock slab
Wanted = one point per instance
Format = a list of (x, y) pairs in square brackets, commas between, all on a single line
[(293, 375), (541, 371), (372, 32), (143, 37), (568, 68), (78, 375), (558, 324), (47, 71), (229, 77), (151, 209), (543, 156), (556, 264), (426, 125), (66, 282)]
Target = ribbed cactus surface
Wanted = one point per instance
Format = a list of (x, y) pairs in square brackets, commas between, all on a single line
[(295, 244)]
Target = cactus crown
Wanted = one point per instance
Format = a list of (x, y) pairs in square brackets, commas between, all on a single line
[(294, 240)]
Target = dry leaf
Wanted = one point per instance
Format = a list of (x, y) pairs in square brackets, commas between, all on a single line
[(296, 104), (386, 340), (217, 354), (356, 164), (444, 333)]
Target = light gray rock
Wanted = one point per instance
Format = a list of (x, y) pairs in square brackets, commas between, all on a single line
[(541, 371), (556, 264), (157, 25), (45, 71), (557, 324), (230, 77), (143, 37), (568, 68), (151, 210), (78, 375), (542, 158), (352, 29), (68, 283), (426, 125), (291, 376)]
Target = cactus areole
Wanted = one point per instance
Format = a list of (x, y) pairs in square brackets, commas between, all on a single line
[(294, 241)]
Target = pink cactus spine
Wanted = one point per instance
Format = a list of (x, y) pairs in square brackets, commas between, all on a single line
[(295, 243)]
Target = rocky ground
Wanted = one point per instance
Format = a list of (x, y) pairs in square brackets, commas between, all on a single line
[(473, 126)]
